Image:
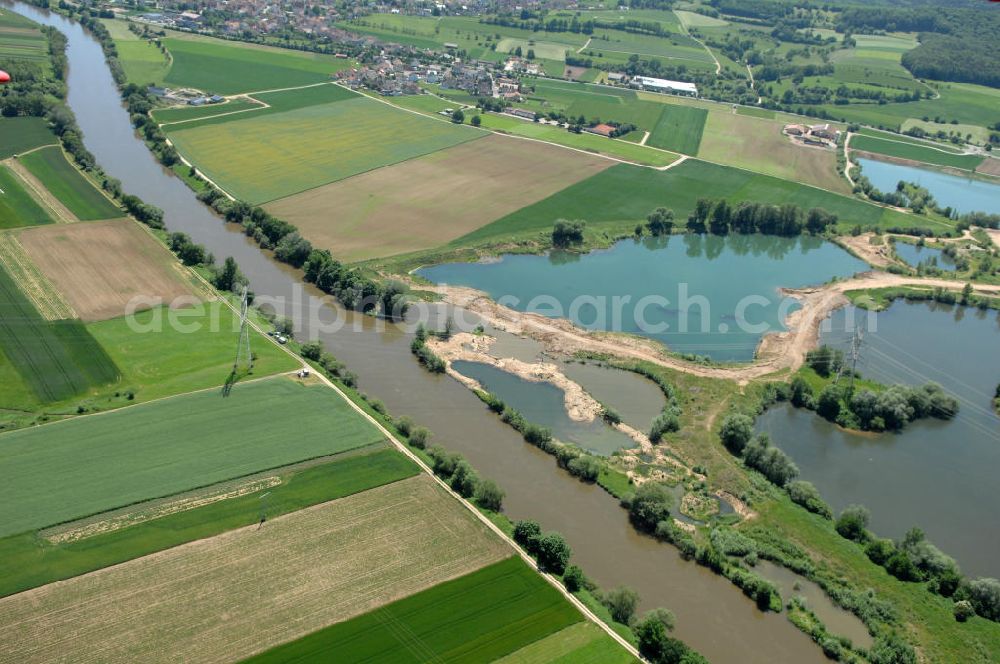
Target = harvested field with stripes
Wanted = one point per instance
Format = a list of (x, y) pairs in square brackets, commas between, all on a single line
[(47, 300), (102, 267), (237, 594)]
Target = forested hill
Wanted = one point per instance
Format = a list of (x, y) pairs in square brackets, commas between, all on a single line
[(956, 43)]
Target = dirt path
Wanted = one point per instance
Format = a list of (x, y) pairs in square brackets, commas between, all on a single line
[(994, 235), (777, 351), (876, 255), (582, 48), (40, 193)]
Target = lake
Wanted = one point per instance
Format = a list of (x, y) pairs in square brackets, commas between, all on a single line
[(915, 255), (964, 194), (938, 475), (697, 294)]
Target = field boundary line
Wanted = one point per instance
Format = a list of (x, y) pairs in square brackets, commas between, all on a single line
[(552, 581), (197, 171)]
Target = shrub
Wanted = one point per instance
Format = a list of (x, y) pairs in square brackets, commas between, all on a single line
[(891, 650), (879, 551), (587, 468), (567, 233), (984, 594), (621, 602), (419, 437), (553, 553), (312, 350), (771, 462), (489, 495), (853, 523), (649, 505), (574, 579), (665, 422), (805, 494), (736, 431), (963, 610), (527, 534)]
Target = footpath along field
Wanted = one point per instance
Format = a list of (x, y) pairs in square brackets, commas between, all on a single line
[(259, 159), (169, 446), (231, 596)]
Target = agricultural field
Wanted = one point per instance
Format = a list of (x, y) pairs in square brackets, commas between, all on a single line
[(624, 195), (66, 183), (190, 113), (169, 446), (582, 642), (614, 148), (17, 206), (305, 148), (670, 47), (910, 150), (23, 133), (21, 40), (543, 49), (758, 145), (695, 20), (490, 613), (979, 135), (108, 269), (36, 558), (679, 128), (401, 208), (142, 61), (54, 359), (248, 590)]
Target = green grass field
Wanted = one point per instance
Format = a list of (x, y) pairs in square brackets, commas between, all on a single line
[(197, 112), (21, 40), (20, 134), (34, 561), (142, 61), (908, 150), (55, 359), (581, 643), (86, 465), (17, 207), (625, 194), (679, 129), (476, 618), (261, 159), (223, 67), (67, 184)]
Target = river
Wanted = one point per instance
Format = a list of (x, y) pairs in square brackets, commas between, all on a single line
[(712, 615)]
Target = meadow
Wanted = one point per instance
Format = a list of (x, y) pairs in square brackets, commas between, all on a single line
[(581, 642), (909, 150), (624, 195), (360, 218), (679, 128), (172, 445), (758, 145), (312, 146), (245, 591), (489, 613), (35, 560), (72, 188), (55, 359), (108, 269), (142, 61), (17, 207), (23, 133)]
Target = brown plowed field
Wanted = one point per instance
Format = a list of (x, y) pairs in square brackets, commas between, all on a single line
[(225, 598), (100, 266), (423, 203)]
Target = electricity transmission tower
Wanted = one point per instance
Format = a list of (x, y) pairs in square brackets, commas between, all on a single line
[(856, 341), (243, 344)]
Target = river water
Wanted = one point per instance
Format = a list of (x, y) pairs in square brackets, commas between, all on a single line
[(712, 615), (964, 194), (700, 294), (940, 476)]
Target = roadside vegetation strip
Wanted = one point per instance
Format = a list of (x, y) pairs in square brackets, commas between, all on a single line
[(295, 575), (625, 194), (43, 295), (286, 153), (67, 184), (168, 446), (33, 561), (23, 133), (222, 67), (679, 129), (56, 359), (17, 207), (580, 643), (106, 269), (489, 613), (401, 208), (929, 155)]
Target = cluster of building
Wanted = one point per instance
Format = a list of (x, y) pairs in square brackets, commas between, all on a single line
[(394, 76), (821, 135)]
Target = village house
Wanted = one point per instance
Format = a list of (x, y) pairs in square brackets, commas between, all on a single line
[(601, 130)]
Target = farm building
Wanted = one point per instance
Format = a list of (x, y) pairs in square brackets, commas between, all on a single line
[(824, 131), (663, 85), (601, 130), (795, 129), (522, 113)]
